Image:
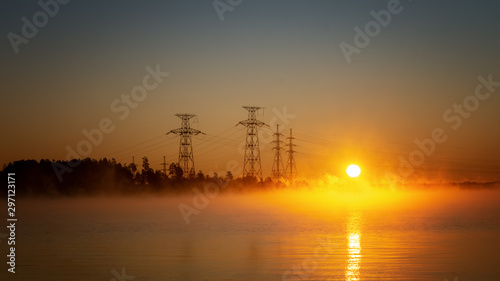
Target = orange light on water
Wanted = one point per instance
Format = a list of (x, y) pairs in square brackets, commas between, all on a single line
[(353, 247)]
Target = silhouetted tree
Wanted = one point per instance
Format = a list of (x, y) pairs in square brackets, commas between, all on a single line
[(147, 173), (132, 167), (90, 176), (145, 164), (175, 172), (200, 176), (229, 176)]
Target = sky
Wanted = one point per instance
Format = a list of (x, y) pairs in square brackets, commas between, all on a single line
[(400, 80)]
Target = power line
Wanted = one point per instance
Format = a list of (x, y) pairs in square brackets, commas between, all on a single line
[(136, 145)]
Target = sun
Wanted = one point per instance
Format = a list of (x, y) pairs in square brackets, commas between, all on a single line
[(353, 171)]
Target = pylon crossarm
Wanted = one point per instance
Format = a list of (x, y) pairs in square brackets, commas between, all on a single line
[(189, 131), (252, 122)]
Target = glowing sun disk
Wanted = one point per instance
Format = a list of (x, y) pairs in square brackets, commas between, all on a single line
[(353, 170)]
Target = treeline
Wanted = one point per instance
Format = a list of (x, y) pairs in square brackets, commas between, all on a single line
[(104, 176)]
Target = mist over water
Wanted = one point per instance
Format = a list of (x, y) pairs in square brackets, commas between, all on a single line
[(307, 234)]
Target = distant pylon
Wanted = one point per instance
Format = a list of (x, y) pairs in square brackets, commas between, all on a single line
[(134, 167), (164, 164), (186, 158), (291, 169), (278, 168), (251, 161)]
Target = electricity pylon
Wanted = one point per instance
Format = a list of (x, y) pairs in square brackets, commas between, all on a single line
[(251, 161), (186, 158), (164, 164), (291, 169), (278, 168)]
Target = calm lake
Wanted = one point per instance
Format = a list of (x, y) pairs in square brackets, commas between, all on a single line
[(316, 235)]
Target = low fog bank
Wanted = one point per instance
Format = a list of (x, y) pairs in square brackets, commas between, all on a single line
[(108, 178), (197, 205)]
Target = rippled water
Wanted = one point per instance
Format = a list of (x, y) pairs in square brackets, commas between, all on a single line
[(428, 236)]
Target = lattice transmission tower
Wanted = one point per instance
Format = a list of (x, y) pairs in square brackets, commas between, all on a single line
[(164, 165), (278, 169), (291, 169), (251, 161), (186, 158)]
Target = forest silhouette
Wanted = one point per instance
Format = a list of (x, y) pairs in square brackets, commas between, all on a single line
[(105, 176)]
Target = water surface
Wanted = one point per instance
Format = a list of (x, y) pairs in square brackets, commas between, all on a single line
[(423, 235)]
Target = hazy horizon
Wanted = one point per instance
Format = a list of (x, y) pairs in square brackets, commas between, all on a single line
[(285, 56)]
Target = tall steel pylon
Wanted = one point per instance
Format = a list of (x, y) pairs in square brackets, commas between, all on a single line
[(251, 161), (291, 169), (186, 158), (278, 168)]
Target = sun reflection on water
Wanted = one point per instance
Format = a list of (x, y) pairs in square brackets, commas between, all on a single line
[(353, 247)]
